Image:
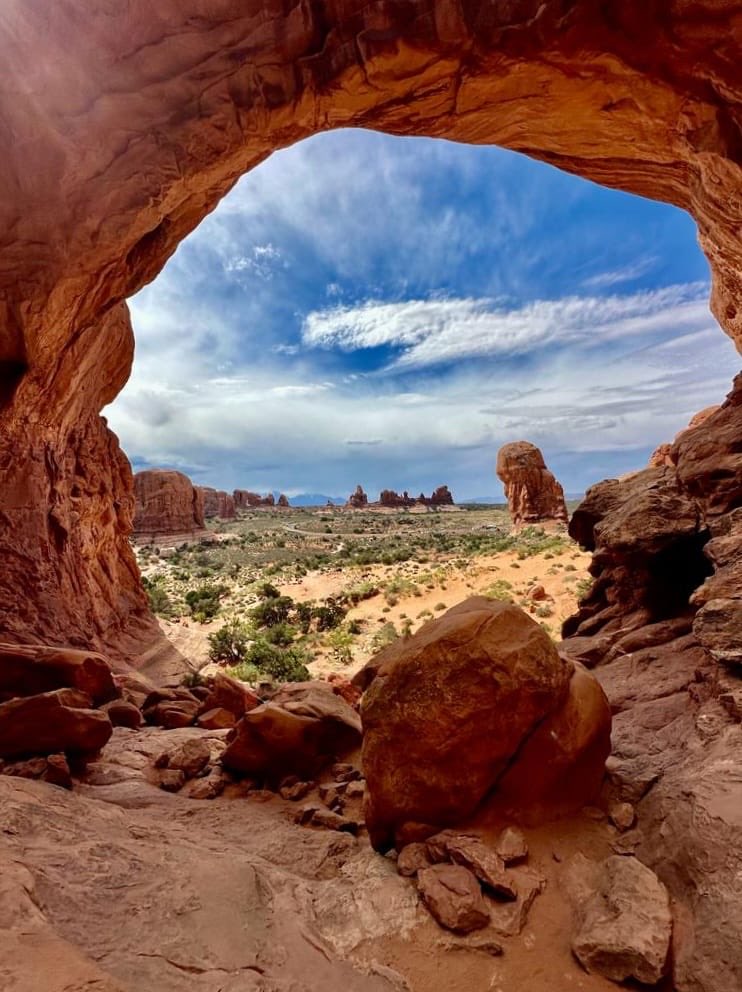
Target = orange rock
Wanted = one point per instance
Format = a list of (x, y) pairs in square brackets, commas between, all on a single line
[(167, 502), (51, 722), (533, 494), (447, 711), (26, 670)]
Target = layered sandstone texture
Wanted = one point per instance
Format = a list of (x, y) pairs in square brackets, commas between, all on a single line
[(533, 494), (358, 499), (660, 628), (138, 118), (217, 503), (478, 706), (167, 503)]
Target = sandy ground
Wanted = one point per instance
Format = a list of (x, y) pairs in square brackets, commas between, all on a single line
[(559, 574), (451, 585)]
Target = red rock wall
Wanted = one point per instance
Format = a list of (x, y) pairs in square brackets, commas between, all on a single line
[(122, 128), (166, 502)]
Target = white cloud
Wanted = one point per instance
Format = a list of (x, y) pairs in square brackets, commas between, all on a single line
[(434, 331), (627, 273)]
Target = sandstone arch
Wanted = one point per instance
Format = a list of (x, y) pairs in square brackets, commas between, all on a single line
[(123, 129)]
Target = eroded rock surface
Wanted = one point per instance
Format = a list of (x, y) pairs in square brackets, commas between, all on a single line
[(533, 494), (449, 708), (658, 627), (167, 503), (217, 503)]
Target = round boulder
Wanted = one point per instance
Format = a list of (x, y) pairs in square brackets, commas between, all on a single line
[(448, 710)]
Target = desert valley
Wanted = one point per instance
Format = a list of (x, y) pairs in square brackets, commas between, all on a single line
[(258, 741)]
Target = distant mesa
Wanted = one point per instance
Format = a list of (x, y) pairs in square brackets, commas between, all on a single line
[(166, 503), (358, 499), (283, 501), (533, 494), (391, 499), (662, 455), (217, 503), (244, 499)]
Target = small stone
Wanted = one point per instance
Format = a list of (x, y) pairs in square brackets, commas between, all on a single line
[(473, 853), (593, 813), (478, 942), (324, 817), (58, 771), (296, 791), (511, 846), (453, 896), (209, 787), (355, 790), (217, 718), (622, 816), (124, 714), (344, 772), (509, 918), (190, 757), (304, 814), (437, 845), (172, 779), (537, 593), (412, 858), (331, 794)]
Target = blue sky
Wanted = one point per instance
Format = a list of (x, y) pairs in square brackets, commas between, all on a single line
[(389, 311)]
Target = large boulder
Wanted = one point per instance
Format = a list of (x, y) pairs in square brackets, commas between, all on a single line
[(448, 710), (26, 670), (561, 766), (533, 494), (52, 722), (303, 728)]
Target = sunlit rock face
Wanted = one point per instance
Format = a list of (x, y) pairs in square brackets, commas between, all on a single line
[(124, 127), (534, 496), (166, 502)]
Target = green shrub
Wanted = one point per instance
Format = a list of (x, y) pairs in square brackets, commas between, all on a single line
[(384, 637), (330, 615), (204, 601), (500, 589), (289, 665), (230, 643), (159, 601), (272, 611), (280, 634), (340, 641), (245, 672)]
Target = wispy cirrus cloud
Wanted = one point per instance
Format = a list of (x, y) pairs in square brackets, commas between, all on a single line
[(435, 331), (626, 273)]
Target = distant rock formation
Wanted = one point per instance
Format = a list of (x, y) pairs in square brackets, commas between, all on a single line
[(283, 501), (358, 499), (440, 497), (167, 502), (662, 455), (533, 494), (244, 499), (217, 503)]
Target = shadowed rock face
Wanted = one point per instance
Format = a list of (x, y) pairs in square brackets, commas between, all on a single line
[(139, 118), (661, 628), (167, 502), (533, 494), (244, 499)]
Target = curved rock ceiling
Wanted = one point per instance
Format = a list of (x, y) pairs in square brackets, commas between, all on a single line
[(123, 129)]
